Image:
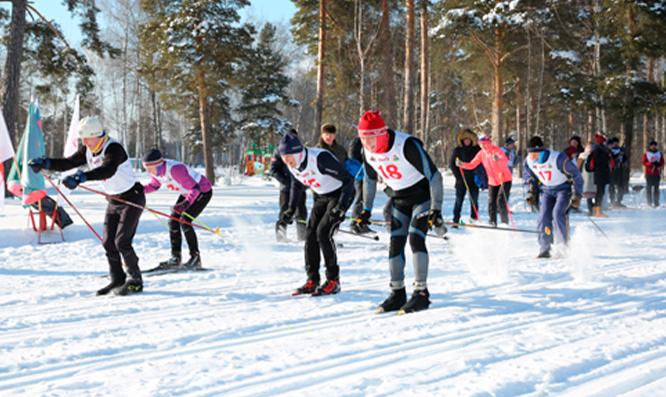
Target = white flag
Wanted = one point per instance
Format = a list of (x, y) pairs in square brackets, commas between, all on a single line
[(71, 144), (6, 152)]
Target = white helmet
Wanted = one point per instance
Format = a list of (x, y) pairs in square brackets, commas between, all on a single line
[(90, 127)]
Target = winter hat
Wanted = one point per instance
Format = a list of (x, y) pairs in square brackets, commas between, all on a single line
[(371, 124), (293, 132), (653, 143), (509, 141), (328, 129), (290, 144), (599, 139), (152, 158), (613, 140), (484, 138), (535, 145), (90, 127)]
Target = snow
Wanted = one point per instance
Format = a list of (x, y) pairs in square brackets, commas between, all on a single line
[(501, 323)]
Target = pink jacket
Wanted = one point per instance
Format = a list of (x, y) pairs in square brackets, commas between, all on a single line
[(498, 170)]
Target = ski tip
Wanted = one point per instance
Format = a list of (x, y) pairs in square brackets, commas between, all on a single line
[(380, 310), (376, 238), (217, 231), (401, 312)]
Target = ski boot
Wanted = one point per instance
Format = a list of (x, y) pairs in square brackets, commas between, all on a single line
[(330, 287), (113, 285), (544, 254), (172, 263), (193, 262), (394, 302), (131, 286), (418, 302), (308, 288)]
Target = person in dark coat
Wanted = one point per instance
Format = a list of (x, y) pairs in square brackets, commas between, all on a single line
[(327, 141), (620, 174), (280, 171), (599, 163), (466, 150)]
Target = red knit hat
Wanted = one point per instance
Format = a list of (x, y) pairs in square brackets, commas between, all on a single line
[(371, 124), (599, 139)]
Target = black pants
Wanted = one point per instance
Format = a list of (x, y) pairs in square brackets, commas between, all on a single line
[(357, 208), (599, 198), (617, 187), (319, 239), (460, 198), (300, 215), (652, 190), (409, 219), (120, 223), (498, 197), (188, 230)]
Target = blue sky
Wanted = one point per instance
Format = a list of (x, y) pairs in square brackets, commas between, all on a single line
[(270, 10)]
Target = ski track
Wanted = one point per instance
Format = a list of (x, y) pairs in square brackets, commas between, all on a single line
[(589, 324)]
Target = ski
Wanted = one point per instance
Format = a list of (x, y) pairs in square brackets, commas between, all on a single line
[(499, 229), (160, 272)]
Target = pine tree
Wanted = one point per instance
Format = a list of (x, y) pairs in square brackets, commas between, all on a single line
[(192, 49), (266, 88)]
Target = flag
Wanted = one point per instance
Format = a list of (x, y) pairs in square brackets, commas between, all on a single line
[(6, 152), (71, 145), (22, 181)]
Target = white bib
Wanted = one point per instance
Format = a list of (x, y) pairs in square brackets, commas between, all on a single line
[(652, 157), (122, 180), (397, 172), (548, 173), (170, 183), (312, 177)]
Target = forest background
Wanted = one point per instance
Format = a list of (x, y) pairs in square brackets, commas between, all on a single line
[(194, 79)]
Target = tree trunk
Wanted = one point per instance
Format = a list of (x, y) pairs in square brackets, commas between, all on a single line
[(425, 72), (496, 134), (627, 135), (646, 118), (205, 127), (408, 118), (321, 56), (12, 77), (391, 114), (519, 137)]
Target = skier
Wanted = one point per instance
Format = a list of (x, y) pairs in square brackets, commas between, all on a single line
[(280, 171), (415, 187), (466, 150), (333, 189), (510, 152), (108, 162), (620, 174), (195, 193), (574, 149), (356, 156), (552, 175), (327, 141), (499, 178), (653, 161)]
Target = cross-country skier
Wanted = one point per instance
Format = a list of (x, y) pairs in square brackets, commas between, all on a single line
[(415, 186), (560, 184), (195, 193), (333, 189), (499, 178), (109, 163), (653, 161), (466, 150)]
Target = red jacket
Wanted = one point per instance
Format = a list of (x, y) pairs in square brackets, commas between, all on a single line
[(648, 159)]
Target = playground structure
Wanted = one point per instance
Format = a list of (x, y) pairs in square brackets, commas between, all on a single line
[(257, 160)]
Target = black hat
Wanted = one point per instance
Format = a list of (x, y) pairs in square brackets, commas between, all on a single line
[(535, 145), (290, 144), (509, 141), (613, 140), (653, 143), (293, 132), (152, 158)]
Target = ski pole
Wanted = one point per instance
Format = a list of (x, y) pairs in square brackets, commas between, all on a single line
[(506, 200), (496, 228), (216, 231), (597, 226), (144, 208), (468, 192), (375, 238), (71, 205), (373, 221)]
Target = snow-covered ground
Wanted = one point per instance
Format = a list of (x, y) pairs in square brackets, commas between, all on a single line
[(501, 322)]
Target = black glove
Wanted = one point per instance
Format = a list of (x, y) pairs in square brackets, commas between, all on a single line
[(436, 222), (654, 164), (575, 201), (531, 200), (288, 215), (72, 181), (364, 219), (39, 163), (338, 213)]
